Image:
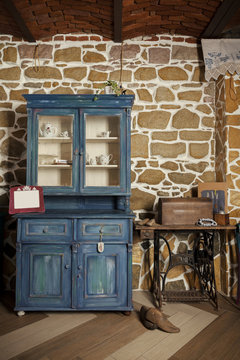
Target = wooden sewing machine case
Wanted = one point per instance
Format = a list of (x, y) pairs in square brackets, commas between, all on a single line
[(183, 211)]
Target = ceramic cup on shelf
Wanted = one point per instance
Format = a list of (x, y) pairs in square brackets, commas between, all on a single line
[(106, 133), (93, 161)]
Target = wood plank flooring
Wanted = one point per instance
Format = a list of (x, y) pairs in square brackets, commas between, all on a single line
[(204, 334)]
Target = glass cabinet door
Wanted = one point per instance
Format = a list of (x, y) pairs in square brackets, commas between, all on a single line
[(55, 149), (102, 150)]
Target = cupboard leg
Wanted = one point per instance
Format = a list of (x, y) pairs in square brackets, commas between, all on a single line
[(127, 313)]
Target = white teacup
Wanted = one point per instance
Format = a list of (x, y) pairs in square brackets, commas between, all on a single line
[(106, 133), (93, 161)]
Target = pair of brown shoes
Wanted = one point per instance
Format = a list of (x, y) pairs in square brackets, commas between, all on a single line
[(153, 318)]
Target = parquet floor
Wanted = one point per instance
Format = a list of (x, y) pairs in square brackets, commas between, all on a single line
[(204, 333)]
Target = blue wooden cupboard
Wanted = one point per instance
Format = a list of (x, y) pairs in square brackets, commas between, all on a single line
[(77, 255)]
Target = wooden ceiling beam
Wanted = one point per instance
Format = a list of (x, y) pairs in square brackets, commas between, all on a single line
[(117, 21), (26, 33), (224, 13)]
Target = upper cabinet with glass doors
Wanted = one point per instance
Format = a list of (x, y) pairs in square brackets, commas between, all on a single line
[(79, 145)]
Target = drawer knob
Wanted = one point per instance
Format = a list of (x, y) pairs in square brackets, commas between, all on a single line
[(45, 230), (67, 266)]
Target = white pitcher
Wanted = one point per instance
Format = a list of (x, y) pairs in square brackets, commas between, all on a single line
[(49, 130), (105, 159)]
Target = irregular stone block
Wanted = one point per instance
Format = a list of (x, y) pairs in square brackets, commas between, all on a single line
[(22, 122), (139, 146), (44, 51), (3, 95), (68, 55), (195, 135), (206, 109), (169, 165), (208, 121), (141, 200), (76, 73), (184, 118), (208, 176), (136, 269), (17, 94), (165, 136), (145, 74), (62, 90), (154, 119), (190, 95), (234, 136), (197, 167), (168, 150), (93, 57), (7, 118), (235, 198), (126, 75), (172, 73), (233, 120), (128, 51), (199, 74), (164, 94), (159, 55), (44, 72), (144, 95), (186, 53), (12, 73), (2, 134), (97, 76), (20, 176), (8, 177), (181, 178), (12, 147), (151, 177), (10, 54), (198, 151)]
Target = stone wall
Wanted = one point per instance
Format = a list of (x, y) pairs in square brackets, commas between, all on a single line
[(173, 119)]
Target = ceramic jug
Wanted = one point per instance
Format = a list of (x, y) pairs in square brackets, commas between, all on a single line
[(48, 130), (105, 159)]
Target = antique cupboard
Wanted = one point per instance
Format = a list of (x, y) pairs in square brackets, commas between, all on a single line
[(77, 255)]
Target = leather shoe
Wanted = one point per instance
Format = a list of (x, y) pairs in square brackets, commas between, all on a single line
[(153, 318)]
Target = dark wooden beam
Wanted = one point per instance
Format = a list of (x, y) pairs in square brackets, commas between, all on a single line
[(221, 18), (26, 33), (117, 21)]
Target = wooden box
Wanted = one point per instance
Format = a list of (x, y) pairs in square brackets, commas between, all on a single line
[(221, 219), (183, 211)]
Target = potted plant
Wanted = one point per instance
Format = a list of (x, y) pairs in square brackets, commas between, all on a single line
[(110, 87)]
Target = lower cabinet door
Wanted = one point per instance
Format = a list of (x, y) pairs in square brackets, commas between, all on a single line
[(103, 277), (46, 276)]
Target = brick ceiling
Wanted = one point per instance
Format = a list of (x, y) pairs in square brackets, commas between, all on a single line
[(118, 20)]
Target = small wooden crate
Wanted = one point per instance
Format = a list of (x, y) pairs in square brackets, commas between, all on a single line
[(183, 211)]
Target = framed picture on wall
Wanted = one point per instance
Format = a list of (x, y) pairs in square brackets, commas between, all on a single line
[(23, 199), (217, 192)]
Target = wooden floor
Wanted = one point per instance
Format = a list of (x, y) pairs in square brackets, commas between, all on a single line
[(204, 333)]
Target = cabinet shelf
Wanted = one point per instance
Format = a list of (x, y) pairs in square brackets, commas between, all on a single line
[(64, 166), (102, 139), (102, 166), (55, 139)]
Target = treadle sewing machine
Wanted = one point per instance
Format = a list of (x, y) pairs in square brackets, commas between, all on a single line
[(181, 215)]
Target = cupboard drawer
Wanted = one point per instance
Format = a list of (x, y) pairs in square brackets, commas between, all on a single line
[(42, 230), (111, 230)]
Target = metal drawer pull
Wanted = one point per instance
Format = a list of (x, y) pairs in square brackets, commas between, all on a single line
[(45, 230), (67, 266)]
